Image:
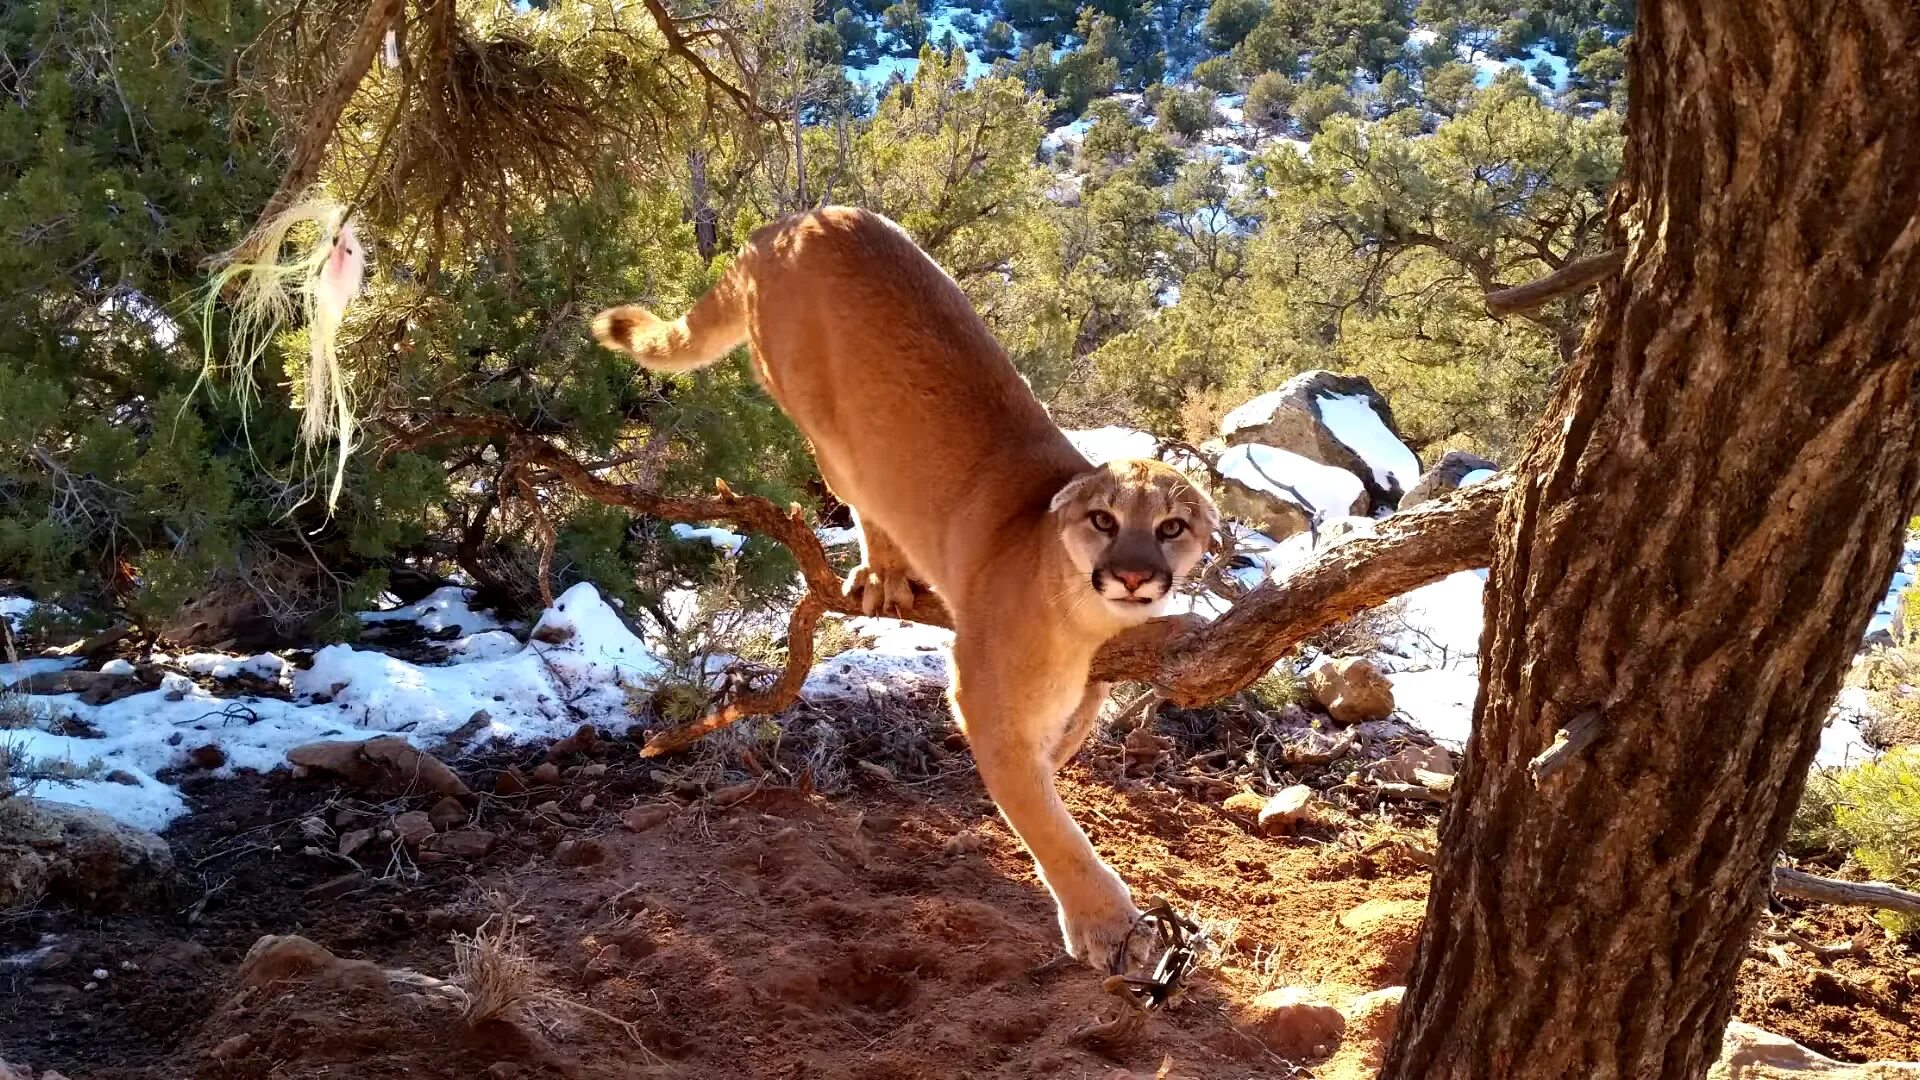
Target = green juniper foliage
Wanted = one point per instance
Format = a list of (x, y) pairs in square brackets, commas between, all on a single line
[(1138, 275)]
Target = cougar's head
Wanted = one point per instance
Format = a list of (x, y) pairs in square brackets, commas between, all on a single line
[(1136, 529)]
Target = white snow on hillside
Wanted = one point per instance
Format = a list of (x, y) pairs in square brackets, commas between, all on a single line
[(15, 609), (1252, 412), (1352, 420), (1322, 490)]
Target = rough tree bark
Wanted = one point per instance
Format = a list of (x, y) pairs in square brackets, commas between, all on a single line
[(1702, 526)]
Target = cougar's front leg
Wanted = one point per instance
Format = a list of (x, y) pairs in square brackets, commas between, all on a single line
[(883, 582), (1012, 729)]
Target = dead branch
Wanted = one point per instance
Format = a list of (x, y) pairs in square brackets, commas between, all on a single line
[(1187, 660), (324, 115), (1873, 894), (681, 45), (1575, 277)]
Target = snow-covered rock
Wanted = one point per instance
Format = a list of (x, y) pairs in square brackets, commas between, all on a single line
[(1336, 420), (1284, 493)]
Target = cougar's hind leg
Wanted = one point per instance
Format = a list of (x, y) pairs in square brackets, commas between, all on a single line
[(1079, 723), (883, 582)]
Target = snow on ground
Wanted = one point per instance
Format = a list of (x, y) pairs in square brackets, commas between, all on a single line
[(535, 691), (1903, 577), (1352, 420), (725, 539), (1253, 412), (1322, 490), (446, 607), (903, 658), (1433, 663)]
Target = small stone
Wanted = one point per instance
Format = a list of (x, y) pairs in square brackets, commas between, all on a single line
[(584, 852), (1285, 809), (510, 783), (353, 840), (122, 776), (552, 633), (586, 803), (1244, 802), (1295, 1023), (1403, 767), (463, 844), (548, 808), (735, 793), (964, 843), (412, 827), (878, 772), (584, 740), (547, 773), (237, 1046), (209, 756), (335, 888), (447, 814), (594, 771), (642, 818), (1351, 690)]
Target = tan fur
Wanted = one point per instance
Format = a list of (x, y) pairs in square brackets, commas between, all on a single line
[(961, 482)]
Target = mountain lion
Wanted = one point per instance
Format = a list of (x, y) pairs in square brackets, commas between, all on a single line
[(960, 482)]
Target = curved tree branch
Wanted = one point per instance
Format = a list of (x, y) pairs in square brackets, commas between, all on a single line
[(1575, 277), (1188, 660)]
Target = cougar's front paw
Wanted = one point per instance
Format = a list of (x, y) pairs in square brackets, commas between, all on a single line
[(1096, 920), (880, 590)]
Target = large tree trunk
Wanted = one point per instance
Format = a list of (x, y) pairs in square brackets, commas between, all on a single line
[(1686, 563)]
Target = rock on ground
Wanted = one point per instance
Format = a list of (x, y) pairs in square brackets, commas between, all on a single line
[(387, 764), (1352, 690), (1445, 476), (76, 856), (1748, 1053), (1294, 1022)]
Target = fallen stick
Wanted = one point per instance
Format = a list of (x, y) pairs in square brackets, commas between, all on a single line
[(1872, 894)]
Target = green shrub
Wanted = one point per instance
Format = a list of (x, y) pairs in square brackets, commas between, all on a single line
[(1871, 812)]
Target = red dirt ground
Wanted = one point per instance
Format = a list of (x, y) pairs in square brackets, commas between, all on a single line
[(889, 934)]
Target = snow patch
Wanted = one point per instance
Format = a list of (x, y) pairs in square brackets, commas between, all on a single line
[(903, 658), (1352, 420), (1327, 492), (15, 609), (530, 692), (445, 607), (725, 539)]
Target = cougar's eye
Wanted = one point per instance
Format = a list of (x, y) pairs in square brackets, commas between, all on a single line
[(1103, 521), (1170, 528)]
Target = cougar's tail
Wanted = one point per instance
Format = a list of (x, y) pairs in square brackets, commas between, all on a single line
[(717, 323)]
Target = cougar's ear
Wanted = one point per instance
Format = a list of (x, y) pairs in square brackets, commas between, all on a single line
[(1074, 490)]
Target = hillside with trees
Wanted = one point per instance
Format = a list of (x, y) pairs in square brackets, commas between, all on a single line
[(1566, 451)]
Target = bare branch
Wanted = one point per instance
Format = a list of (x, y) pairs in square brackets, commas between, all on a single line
[(324, 115), (1804, 886), (1573, 278), (681, 45)]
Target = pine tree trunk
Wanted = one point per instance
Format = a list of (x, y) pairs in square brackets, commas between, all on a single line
[(1698, 535)]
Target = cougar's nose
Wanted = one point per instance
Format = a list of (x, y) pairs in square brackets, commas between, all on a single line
[(1133, 579)]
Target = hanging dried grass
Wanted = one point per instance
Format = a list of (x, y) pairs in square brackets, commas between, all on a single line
[(267, 287)]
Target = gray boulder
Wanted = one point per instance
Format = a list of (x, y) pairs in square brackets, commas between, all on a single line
[(73, 855), (1334, 419), (1445, 476)]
